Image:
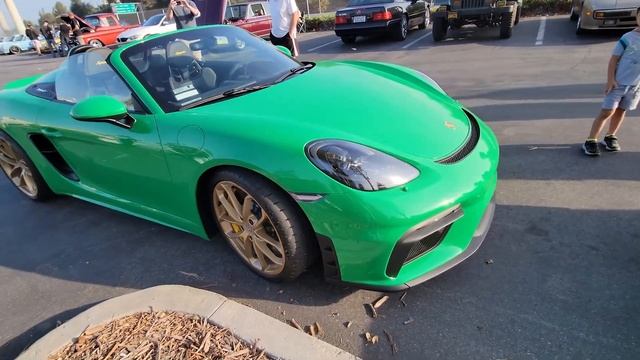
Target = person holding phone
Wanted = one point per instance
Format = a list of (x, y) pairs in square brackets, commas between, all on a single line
[(185, 12)]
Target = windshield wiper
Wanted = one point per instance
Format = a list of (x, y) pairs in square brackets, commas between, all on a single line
[(225, 95), (295, 71)]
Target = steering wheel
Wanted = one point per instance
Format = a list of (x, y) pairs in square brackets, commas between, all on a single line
[(238, 71), (195, 69)]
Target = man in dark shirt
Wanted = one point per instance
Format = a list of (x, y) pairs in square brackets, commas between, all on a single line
[(75, 25), (32, 34), (47, 32), (185, 12), (65, 37)]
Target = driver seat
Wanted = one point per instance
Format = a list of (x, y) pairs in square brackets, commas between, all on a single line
[(186, 71)]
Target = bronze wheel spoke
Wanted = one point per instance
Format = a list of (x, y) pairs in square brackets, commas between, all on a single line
[(247, 205), (7, 160), (228, 206), (261, 257), (262, 234), (233, 200), (15, 174), (262, 248)]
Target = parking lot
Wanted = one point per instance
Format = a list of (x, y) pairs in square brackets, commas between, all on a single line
[(557, 277)]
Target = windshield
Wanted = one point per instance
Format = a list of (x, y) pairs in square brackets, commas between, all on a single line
[(236, 12), (17, 38), (183, 68), (154, 20), (367, 2)]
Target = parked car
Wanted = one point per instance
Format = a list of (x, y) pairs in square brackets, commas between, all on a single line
[(157, 24), (368, 17), (203, 116), (604, 14), (252, 16), (454, 14), (16, 45), (99, 29)]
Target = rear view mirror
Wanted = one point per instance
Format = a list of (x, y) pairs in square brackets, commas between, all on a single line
[(283, 50), (102, 109)]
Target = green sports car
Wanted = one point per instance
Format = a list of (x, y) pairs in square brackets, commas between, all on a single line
[(369, 167)]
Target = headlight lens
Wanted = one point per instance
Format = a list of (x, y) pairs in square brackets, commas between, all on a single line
[(358, 166), (134, 37)]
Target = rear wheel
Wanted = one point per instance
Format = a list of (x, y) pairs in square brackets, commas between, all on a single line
[(20, 170), (348, 39), (402, 29), (439, 30), (15, 50), (506, 25), (262, 224)]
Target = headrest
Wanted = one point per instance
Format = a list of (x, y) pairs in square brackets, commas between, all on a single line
[(179, 53)]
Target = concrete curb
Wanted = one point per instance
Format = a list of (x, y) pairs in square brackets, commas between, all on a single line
[(278, 339)]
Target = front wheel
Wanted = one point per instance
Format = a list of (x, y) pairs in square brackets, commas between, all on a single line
[(96, 43), (402, 29), (506, 25), (20, 170), (262, 224), (439, 31), (15, 50)]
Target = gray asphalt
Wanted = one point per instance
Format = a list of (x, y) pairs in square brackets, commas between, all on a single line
[(557, 278)]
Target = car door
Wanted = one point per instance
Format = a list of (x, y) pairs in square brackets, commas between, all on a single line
[(416, 11), (124, 167)]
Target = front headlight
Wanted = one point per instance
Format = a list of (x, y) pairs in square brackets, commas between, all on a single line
[(358, 166), (134, 37)]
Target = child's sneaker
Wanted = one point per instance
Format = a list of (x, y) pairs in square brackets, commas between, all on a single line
[(590, 147), (610, 143)]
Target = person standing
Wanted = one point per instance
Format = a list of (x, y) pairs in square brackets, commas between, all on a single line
[(185, 12), (47, 32), (65, 37), (284, 19), (75, 26), (32, 34), (622, 92)]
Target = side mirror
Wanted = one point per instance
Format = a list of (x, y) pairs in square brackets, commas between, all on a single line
[(283, 50), (102, 109)]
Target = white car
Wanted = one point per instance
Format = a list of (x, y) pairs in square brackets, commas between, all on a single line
[(156, 24)]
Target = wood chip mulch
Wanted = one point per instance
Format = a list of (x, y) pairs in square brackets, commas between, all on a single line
[(158, 335)]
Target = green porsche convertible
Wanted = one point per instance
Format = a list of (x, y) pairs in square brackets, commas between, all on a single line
[(368, 167)]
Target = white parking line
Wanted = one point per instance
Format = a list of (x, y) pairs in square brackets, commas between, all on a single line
[(543, 25), (323, 45), (416, 40)]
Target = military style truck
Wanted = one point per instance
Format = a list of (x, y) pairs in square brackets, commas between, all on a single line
[(454, 14)]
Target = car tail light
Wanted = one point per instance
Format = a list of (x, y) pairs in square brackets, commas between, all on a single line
[(382, 15), (341, 19)]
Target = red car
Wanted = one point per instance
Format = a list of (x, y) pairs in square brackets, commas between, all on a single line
[(252, 16), (99, 29)]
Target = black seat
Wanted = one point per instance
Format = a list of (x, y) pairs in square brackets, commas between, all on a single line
[(185, 70)]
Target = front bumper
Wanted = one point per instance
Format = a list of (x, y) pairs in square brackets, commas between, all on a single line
[(611, 19), (368, 28), (475, 12), (359, 232)]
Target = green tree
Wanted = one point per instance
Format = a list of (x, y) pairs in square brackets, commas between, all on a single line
[(46, 16), (81, 8), (59, 9)]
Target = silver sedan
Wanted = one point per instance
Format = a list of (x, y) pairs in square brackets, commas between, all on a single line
[(604, 14)]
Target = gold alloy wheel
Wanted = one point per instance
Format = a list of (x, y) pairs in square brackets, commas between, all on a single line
[(248, 228), (17, 169)]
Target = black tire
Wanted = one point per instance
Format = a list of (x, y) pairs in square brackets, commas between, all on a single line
[(574, 16), (518, 13), (290, 224), (439, 30), (401, 31), (42, 190), (425, 23), (348, 39), (506, 25), (15, 50), (579, 29)]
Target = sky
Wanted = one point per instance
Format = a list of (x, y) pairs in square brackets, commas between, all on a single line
[(29, 8)]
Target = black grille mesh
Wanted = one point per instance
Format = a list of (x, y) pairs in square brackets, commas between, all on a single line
[(468, 147), (467, 4), (426, 244)]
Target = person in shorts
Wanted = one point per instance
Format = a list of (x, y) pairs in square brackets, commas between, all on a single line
[(33, 34), (622, 92), (284, 19)]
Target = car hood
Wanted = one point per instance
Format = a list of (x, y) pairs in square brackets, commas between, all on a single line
[(613, 4), (387, 107), (141, 30)]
